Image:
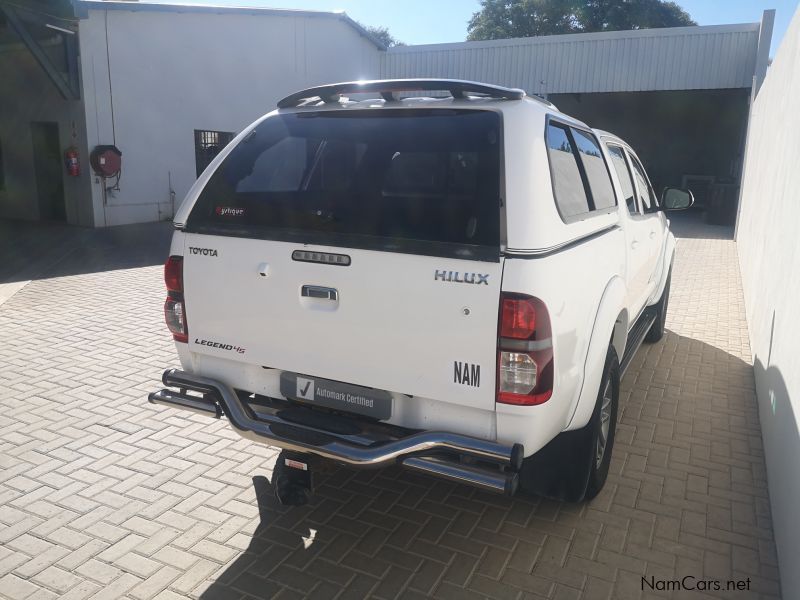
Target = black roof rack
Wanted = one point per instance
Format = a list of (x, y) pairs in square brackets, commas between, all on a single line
[(387, 88)]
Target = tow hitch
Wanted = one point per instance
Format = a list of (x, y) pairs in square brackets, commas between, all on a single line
[(293, 478)]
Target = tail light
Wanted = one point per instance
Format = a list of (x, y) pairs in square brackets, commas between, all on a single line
[(175, 307), (524, 351)]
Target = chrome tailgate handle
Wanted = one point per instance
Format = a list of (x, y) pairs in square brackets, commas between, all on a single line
[(316, 291)]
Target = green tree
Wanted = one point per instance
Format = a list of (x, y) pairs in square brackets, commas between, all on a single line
[(498, 19), (382, 34)]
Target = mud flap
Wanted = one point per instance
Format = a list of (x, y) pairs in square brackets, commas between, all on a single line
[(561, 469)]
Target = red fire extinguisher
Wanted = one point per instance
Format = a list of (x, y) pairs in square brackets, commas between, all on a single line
[(71, 161)]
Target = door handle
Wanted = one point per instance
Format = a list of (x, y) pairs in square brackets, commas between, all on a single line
[(634, 244), (652, 234), (316, 291)]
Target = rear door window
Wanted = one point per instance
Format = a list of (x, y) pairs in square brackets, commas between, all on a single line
[(596, 171), (419, 181), (624, 176), (647, 196)]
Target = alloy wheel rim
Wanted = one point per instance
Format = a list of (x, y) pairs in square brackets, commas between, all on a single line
[(605, 424)]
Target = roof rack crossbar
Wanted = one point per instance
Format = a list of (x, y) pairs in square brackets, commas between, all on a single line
[(387, 88)]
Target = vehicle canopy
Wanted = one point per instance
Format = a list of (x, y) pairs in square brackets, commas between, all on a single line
[(522, 197)]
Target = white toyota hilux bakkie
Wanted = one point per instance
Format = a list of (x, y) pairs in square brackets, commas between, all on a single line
[(454, 284)]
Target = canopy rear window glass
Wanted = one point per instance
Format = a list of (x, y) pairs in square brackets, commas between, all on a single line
[(407, 180)]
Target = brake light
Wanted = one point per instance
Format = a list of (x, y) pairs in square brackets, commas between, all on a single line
[(173, 274), (175, 306), (524, 352), (518, 318)]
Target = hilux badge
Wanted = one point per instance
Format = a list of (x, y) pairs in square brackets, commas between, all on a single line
[(459, 277)]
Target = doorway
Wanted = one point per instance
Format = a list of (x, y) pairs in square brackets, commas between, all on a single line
[(48, 170)]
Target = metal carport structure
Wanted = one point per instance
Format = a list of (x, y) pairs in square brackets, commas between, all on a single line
[(680, 95)]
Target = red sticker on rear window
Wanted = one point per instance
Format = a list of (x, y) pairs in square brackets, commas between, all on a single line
[(229, 211)]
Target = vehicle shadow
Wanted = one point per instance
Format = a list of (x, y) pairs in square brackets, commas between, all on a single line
[(364, 534), (274, 542), (688, 436), (34, 250)]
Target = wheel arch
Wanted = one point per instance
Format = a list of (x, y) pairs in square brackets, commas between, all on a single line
[(619, 333), (610, 327)]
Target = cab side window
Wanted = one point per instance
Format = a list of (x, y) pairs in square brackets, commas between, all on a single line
[(571, 197), (647, 196), (581, 180), (624, 176)]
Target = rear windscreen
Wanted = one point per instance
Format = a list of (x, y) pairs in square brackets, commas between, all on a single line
[(420, 181)]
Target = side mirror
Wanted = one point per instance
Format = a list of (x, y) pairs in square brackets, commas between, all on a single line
[(676, 199)]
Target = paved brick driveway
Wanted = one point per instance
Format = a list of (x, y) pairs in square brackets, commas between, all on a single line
[(105, 496)]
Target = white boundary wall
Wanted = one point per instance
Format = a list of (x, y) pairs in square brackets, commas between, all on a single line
[(769, 255)]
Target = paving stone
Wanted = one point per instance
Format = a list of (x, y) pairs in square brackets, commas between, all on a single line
[(155, 584), (137, 564), (98, 571), (41, 561), (17, 588), (104, 495), (177, 558), (57, 579)]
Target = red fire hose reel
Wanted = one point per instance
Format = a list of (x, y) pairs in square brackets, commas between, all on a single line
[(106, 160)]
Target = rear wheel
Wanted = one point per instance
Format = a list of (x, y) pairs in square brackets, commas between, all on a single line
[(603, 426), (657, 329), (574, 466)]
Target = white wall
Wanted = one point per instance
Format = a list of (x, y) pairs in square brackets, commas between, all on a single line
[(769, 254), (174, 72), (26, 95)]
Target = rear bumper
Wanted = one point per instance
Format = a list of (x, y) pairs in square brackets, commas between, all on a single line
[(464, 459)]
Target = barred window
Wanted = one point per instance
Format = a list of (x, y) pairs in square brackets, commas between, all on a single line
[(207, 144)]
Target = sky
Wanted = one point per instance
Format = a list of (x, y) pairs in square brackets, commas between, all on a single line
[(437, 21)]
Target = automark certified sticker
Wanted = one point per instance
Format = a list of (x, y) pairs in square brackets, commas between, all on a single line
[(337, 395)]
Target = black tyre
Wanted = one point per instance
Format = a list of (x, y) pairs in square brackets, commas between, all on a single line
[(574, 466), (603, 426), (657, 329)]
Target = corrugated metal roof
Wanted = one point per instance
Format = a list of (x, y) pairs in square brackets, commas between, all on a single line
[(679, 58), (82, 6)]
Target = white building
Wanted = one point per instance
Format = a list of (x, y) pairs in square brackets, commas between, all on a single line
[(151, 79), (169, 84)]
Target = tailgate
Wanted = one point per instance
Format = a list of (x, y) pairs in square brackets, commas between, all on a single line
[(403, 323)]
